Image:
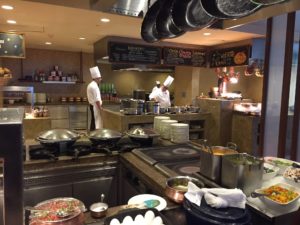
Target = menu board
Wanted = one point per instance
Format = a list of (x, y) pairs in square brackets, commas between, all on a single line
[(131, 53), (230, 57), (12, 45), (181, 56)]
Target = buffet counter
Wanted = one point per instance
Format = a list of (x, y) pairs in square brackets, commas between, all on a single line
[(115, 120)]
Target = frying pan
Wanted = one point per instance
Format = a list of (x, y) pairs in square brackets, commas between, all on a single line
[(189, 15), (268, 2), (165, 25), (229, 9), (104, 136), (148, 31)]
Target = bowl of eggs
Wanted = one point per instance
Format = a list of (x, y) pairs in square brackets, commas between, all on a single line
[(137, 217)]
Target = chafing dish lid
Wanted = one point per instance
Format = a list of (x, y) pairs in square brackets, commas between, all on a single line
[(58, 135)]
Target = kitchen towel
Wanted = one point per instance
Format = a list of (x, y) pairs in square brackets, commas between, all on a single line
[(216, 197)]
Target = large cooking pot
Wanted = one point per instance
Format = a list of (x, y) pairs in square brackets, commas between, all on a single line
[(76, 209), (229, 9), (104, 136), (148, 31), (143, 136), (189, 15), (165, 25), (58, 137)]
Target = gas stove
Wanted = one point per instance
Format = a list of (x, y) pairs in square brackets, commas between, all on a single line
[(79, 149), (173, 160)]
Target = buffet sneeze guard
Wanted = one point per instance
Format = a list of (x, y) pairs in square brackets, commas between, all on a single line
[(11, 156)]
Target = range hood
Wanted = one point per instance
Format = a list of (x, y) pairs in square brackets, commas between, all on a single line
[(136, 8), (143, 68)]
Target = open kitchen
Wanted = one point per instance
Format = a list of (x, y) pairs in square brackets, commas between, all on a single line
[(174, 112)]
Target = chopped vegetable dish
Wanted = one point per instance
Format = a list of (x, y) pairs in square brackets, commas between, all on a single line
[(280, 194), (53, 209)]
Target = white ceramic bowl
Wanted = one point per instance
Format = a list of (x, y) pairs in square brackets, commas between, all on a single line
[(270, 175), (279, 162), (274, 204)]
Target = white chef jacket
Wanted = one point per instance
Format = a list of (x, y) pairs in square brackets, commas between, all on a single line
[(155, 89), (94, 95), (163, 97)]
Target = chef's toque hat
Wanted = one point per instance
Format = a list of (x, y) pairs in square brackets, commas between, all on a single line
[(95, 73), (168, 81), (157, 82)]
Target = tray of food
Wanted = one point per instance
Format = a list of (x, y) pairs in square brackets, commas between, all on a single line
[(279, 162)]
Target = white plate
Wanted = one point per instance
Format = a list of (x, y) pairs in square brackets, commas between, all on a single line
[(138, 199)]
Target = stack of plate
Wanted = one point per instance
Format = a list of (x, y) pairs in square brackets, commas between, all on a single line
[(179, 132), (165, 128), (157, 122)]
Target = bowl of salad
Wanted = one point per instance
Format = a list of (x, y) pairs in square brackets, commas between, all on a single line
[(279, 162), (270, 171), (292, 175), (280, 194)]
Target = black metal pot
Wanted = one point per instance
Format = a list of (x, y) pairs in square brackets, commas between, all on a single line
[(165, 25), (148, 31), (229, 9), (189, 15), (104, 137)]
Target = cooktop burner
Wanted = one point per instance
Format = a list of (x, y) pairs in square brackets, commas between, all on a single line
[(168, 153), (184, 168)]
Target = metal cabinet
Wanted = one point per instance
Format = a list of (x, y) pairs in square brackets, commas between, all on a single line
[(59, 116), (34, 195), (78, 117)]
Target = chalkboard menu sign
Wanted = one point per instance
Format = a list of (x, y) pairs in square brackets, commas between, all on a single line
[(181, 56), (12, 45), (131, 53), (237, 56)]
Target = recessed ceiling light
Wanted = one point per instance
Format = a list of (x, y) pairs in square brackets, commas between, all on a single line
[(105, 20), (11, 21), (48, 43), (206, 34), (7, 7), (82, 38)]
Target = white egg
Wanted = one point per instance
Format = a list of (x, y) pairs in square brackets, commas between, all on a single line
[(114, 222), (139, 220), (149, 217), (127, 220), (157, 221)]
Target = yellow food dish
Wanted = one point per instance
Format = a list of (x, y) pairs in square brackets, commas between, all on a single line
[(280, 194)]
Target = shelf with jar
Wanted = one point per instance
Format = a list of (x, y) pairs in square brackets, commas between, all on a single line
[(55, 76)]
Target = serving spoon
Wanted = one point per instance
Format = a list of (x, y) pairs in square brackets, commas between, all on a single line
[(256, 194)]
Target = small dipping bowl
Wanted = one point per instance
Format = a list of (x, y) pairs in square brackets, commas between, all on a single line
[(98, 209)]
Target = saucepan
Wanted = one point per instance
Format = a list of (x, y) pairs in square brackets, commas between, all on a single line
[(177, 186), (99, 209)]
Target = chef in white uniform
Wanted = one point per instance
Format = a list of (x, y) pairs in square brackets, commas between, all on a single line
[(94, 98), (162, 94), (157, 86)]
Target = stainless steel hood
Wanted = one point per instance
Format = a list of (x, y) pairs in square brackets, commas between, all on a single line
[(136, 8), (143, 68)]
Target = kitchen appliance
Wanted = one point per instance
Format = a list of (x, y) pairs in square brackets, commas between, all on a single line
[(173, 160), (242, 171)]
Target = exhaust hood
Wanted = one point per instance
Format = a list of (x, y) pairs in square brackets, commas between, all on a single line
[(136, 8), (142, 68)]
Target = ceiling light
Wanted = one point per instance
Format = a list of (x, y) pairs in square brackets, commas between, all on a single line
[(82, 38), (105, 20), (11, 21), (7, 7), (206, 34), (48, 43)]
